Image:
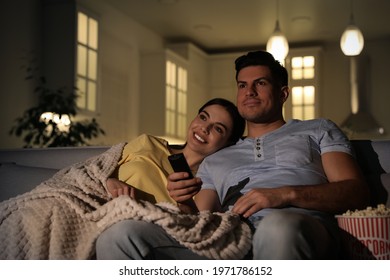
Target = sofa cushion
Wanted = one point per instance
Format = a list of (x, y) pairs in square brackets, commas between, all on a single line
[(385, 179), (17, 179)]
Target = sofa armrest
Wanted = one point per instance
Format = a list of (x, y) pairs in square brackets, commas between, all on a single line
[(373, 157), (23, 169), (56, 158)]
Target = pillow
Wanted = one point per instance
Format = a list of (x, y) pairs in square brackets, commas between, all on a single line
[(17, 179)]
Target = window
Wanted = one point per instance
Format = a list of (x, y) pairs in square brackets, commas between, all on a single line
[(87, 61), (303, 102), (303, 68), (176, 101)]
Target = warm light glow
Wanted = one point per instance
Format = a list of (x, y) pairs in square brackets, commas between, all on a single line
[(352, 41), (277, 44), (87, 61), (302, 67), (63, 121)]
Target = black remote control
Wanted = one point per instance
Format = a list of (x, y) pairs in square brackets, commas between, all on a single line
[(179, 164)]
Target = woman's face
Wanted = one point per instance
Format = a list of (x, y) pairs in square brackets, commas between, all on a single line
[(210, 130)]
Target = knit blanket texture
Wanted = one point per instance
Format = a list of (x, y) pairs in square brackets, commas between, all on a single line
[(62, 217)]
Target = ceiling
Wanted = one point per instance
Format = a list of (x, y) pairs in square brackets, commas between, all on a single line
[(225, 25)]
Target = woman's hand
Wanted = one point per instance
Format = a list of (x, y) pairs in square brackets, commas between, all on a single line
[(117, 188), (182, 189)]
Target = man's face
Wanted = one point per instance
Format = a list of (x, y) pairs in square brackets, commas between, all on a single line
[(257, 99)]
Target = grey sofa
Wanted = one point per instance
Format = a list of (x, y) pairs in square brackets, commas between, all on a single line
[(23, 169)]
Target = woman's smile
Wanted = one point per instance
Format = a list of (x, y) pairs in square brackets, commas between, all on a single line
[(200, 139)]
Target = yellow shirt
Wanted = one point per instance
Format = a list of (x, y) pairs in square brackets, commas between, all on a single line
[(144, 165)]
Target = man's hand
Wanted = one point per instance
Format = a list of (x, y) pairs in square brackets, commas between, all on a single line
[(258, 199), (117, 188), (182, 189), (345, 189)]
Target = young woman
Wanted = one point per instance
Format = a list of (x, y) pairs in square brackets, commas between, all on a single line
[(64, 216), (144, 167)]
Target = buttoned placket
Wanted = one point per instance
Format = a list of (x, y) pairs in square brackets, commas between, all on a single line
[(258, 149)]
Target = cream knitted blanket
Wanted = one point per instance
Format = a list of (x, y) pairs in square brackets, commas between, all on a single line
[(63, 216)]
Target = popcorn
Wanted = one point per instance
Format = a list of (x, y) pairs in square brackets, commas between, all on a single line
[(380, 210), (366, 233)]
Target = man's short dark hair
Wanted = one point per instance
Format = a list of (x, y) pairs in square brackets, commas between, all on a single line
[(262, 58)]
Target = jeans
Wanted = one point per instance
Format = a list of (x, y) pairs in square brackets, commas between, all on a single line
[(139, 240), (285, 235), (280, 235)]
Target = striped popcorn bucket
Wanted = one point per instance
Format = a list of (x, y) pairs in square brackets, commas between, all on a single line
[(365, 237)]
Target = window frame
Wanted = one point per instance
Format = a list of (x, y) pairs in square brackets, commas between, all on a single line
[(302, 52), (180, 132), (97, 100)]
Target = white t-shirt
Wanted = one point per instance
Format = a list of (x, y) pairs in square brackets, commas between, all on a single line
[(290, 155)]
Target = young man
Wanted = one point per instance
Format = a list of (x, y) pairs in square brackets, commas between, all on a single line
[(287, 179)]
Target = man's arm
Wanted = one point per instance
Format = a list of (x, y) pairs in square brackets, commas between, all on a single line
[(346, 189)]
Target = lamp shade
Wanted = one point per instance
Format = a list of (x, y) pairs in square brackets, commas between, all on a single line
[(352, 41), (277, 44)]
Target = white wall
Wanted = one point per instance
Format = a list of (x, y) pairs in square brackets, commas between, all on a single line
[(222, 73), (123, 42), (199, 76), (335, 99)]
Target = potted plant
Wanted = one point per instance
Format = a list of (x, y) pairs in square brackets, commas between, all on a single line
[(51, 123)]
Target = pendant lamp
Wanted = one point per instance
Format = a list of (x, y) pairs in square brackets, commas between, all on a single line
[(352, 41), (277, 44)]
